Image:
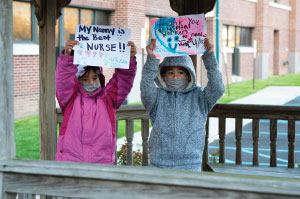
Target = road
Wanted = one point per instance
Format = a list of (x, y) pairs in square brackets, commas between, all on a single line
[(264, 143)]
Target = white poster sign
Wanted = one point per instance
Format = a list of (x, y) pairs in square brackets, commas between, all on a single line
[(104, 46)]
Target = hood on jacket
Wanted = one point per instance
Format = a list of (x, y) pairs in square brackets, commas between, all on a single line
[(184, 61), (81, 71)]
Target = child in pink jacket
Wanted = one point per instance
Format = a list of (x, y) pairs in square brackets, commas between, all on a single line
[(88, 130)]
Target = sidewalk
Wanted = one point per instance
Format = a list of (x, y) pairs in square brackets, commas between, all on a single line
[(273, 95)]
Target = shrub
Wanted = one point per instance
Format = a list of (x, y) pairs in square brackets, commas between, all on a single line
[(214, 157), (122, 156)]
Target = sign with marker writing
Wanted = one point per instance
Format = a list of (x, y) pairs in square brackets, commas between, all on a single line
[(183, 35), (104, 46)]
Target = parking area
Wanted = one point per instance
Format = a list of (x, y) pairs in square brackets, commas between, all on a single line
[(264, 143)]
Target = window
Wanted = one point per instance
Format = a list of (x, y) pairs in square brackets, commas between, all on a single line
[(147, 26), (25, 26), (72, 16), (66, 25), (24, 23), (234, 36), (245, 36)]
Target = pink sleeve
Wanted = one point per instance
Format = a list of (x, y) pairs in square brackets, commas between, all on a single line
[(120, 84), (65, 79)]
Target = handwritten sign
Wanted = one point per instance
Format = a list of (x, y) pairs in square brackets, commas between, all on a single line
[(182, 35), (104, 46)]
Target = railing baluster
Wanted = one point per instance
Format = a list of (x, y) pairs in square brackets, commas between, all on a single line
[(223, 111), (291, 139), (273, 138), (205, 152), (10, 195), (238, 136), (222, 127), (255, 137), (145, 135), (129, 138)]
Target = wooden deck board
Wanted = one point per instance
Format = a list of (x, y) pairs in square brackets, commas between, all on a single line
[(278, 172), (68, 179)]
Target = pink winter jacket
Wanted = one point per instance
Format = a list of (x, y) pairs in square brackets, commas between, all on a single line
[(88, 130)]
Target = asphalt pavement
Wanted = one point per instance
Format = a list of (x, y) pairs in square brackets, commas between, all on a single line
[(287, 96)]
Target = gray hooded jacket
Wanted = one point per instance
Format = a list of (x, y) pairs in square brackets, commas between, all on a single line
[(178, 118)]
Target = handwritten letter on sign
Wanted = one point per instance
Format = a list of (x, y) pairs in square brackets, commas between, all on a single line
[(182, 35), (104, 46)]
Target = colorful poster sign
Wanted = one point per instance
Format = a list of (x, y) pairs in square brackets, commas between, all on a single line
[(183, 35), (104, 46)]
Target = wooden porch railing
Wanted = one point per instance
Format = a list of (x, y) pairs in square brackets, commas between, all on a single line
[(221, 111), (79, 180)]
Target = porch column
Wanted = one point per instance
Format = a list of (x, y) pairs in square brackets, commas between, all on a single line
[(47, 13), (47, 106), (262, 36), (7, 143), (294, 45)]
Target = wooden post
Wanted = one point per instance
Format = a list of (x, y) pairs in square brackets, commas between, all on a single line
[(222, 130), (205, 151), (7, 143), (1, 185), (184, 7), (273, 138), (291, 139), (47, 12), (47, 105), (129, 138), (255, 138), (238, 136), (145, 136), (4, 194)]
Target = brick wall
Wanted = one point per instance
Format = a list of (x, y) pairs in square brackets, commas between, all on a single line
[(131, 14), (246, 71), (104, 4), (26, 85), (159, 8), (265, 19)]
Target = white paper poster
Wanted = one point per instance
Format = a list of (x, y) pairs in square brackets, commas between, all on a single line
[(104, 46), (183, 35)]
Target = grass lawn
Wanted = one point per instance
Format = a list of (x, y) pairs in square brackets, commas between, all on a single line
[(27, 138), (27, 130), (239, 90)]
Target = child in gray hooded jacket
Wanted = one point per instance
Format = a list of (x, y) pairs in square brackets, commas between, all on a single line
[(178, 108)]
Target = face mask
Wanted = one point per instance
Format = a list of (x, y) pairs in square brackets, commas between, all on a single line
[(177, 84), (90, 88)]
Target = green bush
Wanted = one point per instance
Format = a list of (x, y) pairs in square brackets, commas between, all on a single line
[(122, 156)]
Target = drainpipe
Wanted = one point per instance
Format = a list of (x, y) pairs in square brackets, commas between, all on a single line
[(217, 31)]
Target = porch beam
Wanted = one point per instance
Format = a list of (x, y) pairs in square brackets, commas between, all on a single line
[(7, 143), (47, 13)]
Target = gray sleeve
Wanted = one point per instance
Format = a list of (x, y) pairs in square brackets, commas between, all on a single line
[(215, 87), (148, 88)]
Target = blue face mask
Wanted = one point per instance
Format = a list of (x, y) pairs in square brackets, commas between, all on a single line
[(90, 88), (176, 84)]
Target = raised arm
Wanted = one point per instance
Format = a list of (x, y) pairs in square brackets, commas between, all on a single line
[(121, 83), (149, 72), (215, 86), (65, 75)]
